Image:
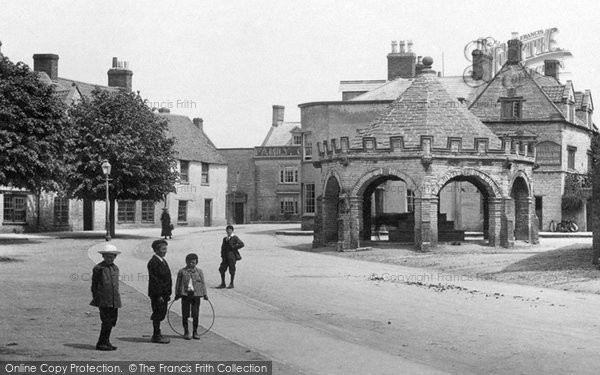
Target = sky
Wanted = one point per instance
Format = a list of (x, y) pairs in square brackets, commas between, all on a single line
[(230, 61)]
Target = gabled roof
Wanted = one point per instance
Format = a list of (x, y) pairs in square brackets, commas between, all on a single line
[(426, 108), (555, 93), (280, 135), (537, 104), (191, 143), (69, 90)]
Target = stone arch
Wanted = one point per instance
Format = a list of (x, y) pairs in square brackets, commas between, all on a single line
[(490, 186), (372, 175), (331, 172), (521, 208), (521, 174)]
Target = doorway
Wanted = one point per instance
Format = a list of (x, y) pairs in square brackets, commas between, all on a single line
[(238, 212), (88, 214), (207, 212), (539, 212)]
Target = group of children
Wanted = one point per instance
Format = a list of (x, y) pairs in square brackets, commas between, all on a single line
[(190, 287)]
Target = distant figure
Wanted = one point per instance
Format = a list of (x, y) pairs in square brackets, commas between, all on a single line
[(105, 294), (159, 288), (229, 256), (167, 227), (190, 287)]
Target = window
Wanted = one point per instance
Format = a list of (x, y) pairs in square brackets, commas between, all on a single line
[(148, 211), (410, 200), (309, 198), (184, 173), (571, 157), (126, 211), (289, 205), (61, 211), (288, 175), (205, 173), (182, 209), (296, 139), (511, 109), (307, 155), (15, 207)]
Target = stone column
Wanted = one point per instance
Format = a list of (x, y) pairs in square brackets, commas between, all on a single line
[(507, 235), (426, 223), (348, 223), (494, 223), (318, 225), (534, 227)]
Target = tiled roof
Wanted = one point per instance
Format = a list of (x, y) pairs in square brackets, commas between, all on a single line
[(280, 135), (191, 143), (455, 85), (427, 108), (555, 93), (84, 88)]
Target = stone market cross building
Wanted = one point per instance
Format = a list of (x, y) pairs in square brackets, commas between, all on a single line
[(427, 139)]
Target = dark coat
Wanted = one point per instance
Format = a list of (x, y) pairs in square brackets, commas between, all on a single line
[(159, 279), (105, 286), (232, 245), (165, 221)]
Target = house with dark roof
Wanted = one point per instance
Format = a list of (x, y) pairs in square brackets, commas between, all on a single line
[(198, 201), (264, 181), (536, 110)]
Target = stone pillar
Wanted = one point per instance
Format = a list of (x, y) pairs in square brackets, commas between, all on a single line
[(522, 218), (318, 224), (348, 223), (426, 235), (355, 216), (507, 235), (494, 223)]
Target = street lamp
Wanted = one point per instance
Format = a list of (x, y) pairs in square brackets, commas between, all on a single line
[(106, 172)]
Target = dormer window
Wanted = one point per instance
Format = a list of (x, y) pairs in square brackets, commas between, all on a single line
[(512, 108), (296, 139)]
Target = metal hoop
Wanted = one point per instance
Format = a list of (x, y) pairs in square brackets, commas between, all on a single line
[(181, 334)]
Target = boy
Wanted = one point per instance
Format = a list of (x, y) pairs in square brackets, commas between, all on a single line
[(105, 294), (190, 287), (231, 244), (159, 288)]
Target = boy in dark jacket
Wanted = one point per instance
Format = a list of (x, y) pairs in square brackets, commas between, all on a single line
[(105, 294), (190, 287), (229, 249), (159, 288)]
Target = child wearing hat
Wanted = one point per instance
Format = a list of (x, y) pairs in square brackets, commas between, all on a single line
[(190, 287), (105, 294), (159, 288)]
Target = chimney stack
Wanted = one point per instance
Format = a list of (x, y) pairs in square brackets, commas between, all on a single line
[(419, 65), (199, 123), (515, 49), (551, 68), (120, 75), (482, 63), (47, 63), (278, 112), (402, 63)]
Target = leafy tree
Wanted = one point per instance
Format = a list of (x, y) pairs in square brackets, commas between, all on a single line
[(596, 197), (34, 131), (119, 127)]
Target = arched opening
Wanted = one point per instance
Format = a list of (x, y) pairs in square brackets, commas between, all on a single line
[(463, 207), (520, 196), (331, 198), (388, 210)]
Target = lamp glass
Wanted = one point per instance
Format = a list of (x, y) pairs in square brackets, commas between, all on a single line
[(106, 167)]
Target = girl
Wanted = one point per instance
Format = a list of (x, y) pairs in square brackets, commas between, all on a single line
[(190, 287)]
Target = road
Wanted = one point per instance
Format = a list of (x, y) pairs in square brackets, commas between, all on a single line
[(323, 314)]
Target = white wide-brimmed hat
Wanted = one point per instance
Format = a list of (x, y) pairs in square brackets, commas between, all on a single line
[(109, 249)]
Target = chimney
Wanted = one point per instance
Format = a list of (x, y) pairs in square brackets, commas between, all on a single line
[(120, 75), (278, 111), (47, 63), (551, 68), (403, 63), (164, 110), (515, 48), (419, 65), (482, 63), (199, 123)]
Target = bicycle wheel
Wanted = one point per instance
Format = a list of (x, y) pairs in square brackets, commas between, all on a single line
[(552, 226), (572, 227)]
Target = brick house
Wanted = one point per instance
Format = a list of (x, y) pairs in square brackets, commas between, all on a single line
[(552, 115), (264, 181), (199, 201)]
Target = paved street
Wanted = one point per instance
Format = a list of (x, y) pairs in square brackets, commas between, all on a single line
[(328, 315)]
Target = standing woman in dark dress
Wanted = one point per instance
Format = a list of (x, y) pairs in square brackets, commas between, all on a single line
[(165, 221)]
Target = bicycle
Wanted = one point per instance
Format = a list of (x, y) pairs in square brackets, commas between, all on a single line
[(567, 226)]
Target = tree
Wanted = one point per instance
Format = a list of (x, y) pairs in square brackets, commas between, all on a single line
[(595, 146), (34, 131), (120, 128)]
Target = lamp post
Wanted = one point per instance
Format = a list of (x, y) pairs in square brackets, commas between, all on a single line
[(106, 170)]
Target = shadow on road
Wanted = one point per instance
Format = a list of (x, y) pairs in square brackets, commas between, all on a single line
[(565, 258), (81, 346)]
